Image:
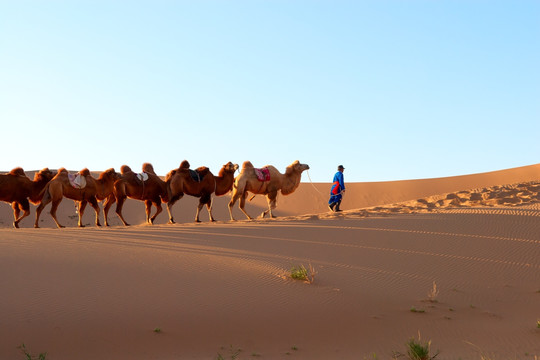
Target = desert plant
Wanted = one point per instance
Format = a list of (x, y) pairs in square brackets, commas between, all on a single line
[(433, 293), (157, 330), (538, 323), (415, 310), (301, 273), (233, 353), (29, 356), (416, 350)]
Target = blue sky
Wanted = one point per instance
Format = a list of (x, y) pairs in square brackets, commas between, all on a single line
[(390, 89)]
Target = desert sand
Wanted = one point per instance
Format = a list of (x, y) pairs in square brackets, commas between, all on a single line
[(210, 290)]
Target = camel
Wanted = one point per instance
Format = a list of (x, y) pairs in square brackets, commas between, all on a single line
[(247, 181), (181, 182), (152, 190), (105, 191), (16, 188), (94, 190)]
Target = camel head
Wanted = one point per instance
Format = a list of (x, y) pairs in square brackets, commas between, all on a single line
[(109, 174), (228, 168), (296, 167), (170, 174), (44, 174), (125, 169)]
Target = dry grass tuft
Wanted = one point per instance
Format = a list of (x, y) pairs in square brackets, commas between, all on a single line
[(433, 293)]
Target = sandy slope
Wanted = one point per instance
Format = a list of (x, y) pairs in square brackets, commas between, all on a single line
[(215, 288)]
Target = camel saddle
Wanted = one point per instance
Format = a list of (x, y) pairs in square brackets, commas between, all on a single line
[(142, 176), (262, 174), (196, 176), (77, 181)]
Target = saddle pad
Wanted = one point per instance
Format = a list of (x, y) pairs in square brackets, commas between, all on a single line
[(142, 176), (77, 181), (263, 174)]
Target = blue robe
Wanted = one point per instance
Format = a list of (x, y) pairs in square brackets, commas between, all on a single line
[(338, 185)]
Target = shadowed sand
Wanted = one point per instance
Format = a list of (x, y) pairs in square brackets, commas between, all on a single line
[(99, 293)]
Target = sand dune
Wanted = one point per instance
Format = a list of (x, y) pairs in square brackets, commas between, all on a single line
[(218, 288)]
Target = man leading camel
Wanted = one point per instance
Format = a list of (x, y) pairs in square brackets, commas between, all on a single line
[(338, 188)]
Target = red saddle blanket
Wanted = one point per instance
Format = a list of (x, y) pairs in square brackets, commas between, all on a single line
[(263, 174)]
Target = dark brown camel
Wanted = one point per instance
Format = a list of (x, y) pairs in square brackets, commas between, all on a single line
[(152, 190), (16, 188), (60, 187), (181, 182)]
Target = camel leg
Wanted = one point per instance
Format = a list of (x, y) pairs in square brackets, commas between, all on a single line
[(54, 207), (119, 204), (93, 202), (16, 213), (237, 194), (170, 204), (271, 198), (234, 198), (148, 209), (17, 207), (106, 207), (202, 201), (159, 209), (44, 201), (243, 204), (209, 208), (82, 206)]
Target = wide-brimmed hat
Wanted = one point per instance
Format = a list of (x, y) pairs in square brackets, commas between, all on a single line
[(341, 167)]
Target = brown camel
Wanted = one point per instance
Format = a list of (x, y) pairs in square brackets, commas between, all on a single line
[(147, 187), (94, 189), (247, 181), (105, 191), (180, 182), (16, 188)]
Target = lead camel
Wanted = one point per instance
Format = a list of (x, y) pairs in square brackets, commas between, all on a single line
[(247, 181)]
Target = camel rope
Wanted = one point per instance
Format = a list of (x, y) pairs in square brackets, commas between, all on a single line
[(309, 177)]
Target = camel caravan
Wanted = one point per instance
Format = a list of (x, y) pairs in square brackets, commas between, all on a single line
[(113, 187)]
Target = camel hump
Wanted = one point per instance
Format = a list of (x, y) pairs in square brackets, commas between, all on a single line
[(148, 168), (247, 165), (18, 171), (84, 172), (184, 165), (296, 166), (202, 170), (125, 169), (62, 170)]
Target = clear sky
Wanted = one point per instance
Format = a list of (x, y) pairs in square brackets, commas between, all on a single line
[(390, 89)]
